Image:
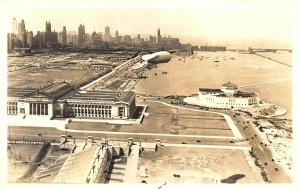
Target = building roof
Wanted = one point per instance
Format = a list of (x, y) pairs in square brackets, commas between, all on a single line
[(53, 91), (100, 96), (244, 94), (207, 90), (229, 86), (56, 90), (14, 92), (126, 96), (76, 166)]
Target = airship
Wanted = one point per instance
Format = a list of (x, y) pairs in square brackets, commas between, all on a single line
[(157, 57)]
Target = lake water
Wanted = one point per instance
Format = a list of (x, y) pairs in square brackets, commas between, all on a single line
[(272, 81)]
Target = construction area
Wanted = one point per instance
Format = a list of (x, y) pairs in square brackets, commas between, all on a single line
[(183, 164)]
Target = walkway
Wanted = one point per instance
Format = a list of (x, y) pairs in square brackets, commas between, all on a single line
[(145, 134), (132, 165), (208, 146), (35, 121), (116, 171)]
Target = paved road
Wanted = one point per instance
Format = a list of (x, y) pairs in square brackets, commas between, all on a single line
[(262, 149), (32, 133)]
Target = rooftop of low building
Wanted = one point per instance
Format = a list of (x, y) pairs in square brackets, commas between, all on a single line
[(100, 96), (53, 91)]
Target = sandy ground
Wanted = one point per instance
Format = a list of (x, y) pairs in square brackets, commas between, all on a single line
[(281, 141), (198, 166), (18, 155)]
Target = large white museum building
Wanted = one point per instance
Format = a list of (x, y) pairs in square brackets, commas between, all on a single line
[(226, 97)]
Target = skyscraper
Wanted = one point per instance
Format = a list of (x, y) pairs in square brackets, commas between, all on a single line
[(12, 41), (117, 34), (47, 37), (64, 37), (14, 26), (107, 36), (50, 38), (81, 35), (48, 27), (29, 39), (158, 38), (22, 33)]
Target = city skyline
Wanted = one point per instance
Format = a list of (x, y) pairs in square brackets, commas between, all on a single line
[(203, 92), (237, 26)]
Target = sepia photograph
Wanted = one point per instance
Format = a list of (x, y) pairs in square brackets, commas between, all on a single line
[(150, 93)]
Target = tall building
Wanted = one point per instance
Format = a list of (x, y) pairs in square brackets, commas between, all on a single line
[(47, 35), (107, 36), (29, 39), (48, 27), (138, 41), (37, 41), (12, 41), (101, 36), (72, 38), (22, 33), (158, 38), (170, 42), (126, 39), (14, 26), (152, 40), (64, 37), (81, 35), (49, 38)]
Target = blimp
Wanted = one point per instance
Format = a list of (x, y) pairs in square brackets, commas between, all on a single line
[(157, 57)]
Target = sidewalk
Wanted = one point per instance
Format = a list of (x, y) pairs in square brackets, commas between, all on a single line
[(132, 164), (35, 121)]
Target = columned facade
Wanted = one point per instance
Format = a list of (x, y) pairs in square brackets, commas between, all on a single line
[(91, 110), (57, 101), (38, 109)]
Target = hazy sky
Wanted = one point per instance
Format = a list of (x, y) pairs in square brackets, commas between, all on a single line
[(231, 23)]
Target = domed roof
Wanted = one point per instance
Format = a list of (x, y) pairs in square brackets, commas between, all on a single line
[(229, 86)]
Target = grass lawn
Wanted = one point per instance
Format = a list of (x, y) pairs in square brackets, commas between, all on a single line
[(164, 119)]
